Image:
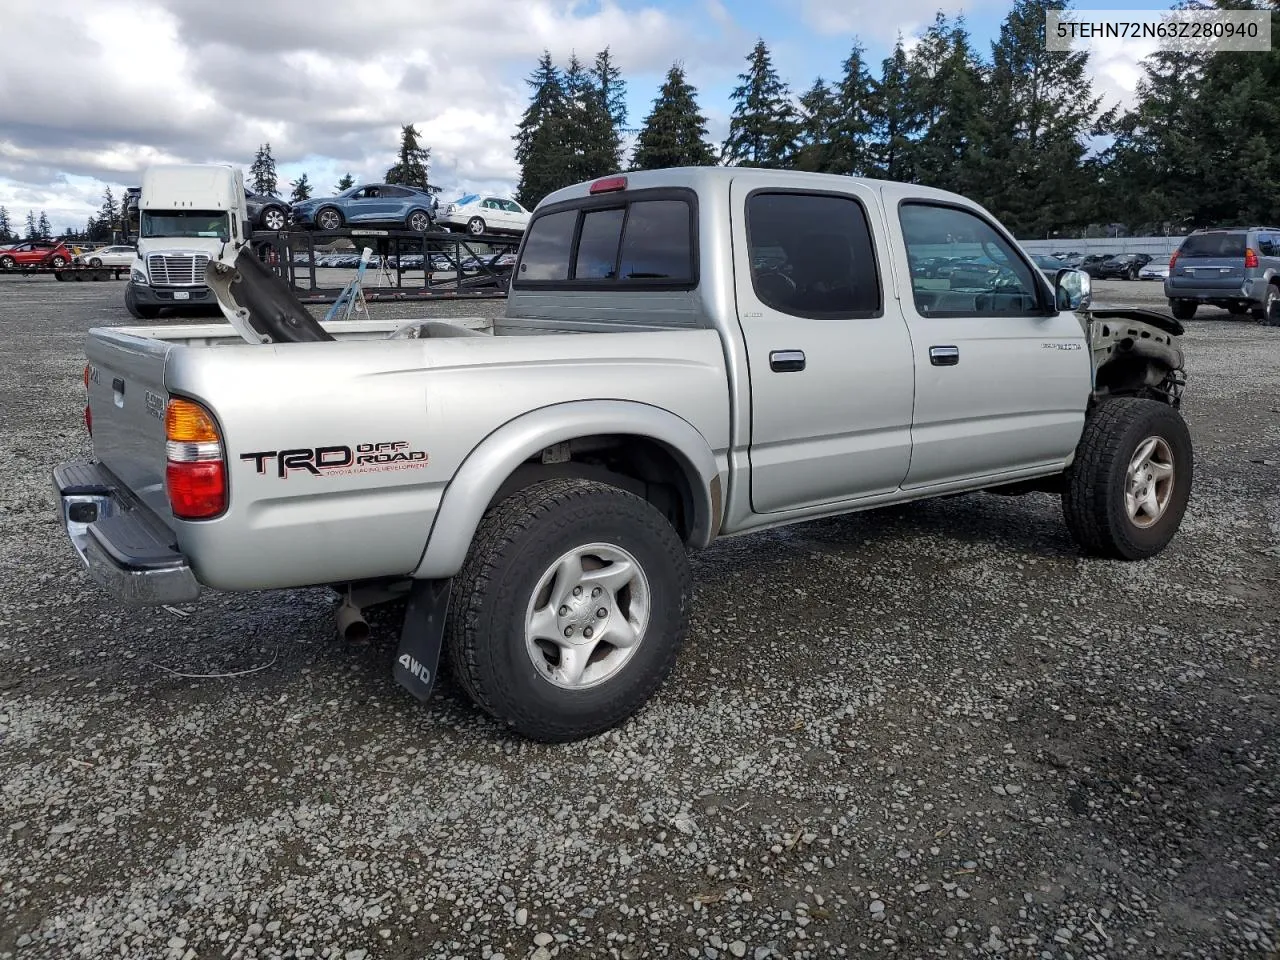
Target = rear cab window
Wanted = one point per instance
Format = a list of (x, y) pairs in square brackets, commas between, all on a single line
[(638, 240)]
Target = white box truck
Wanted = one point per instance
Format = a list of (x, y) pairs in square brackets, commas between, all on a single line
[(185, 213)]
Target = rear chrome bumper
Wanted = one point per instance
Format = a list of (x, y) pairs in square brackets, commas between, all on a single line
[(125, 549)]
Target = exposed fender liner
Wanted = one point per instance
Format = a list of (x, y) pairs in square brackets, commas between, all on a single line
[(502, 451), (1170, 357), (1140, 314)]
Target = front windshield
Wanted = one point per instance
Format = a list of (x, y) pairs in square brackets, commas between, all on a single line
[(186, 223)]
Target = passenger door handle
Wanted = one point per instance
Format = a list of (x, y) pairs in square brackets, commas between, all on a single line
[(944, 356), (786, 361)]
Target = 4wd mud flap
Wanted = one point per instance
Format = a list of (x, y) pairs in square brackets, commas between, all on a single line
[(421, 636)]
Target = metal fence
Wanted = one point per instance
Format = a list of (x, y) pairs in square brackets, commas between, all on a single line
[(1157, 247)]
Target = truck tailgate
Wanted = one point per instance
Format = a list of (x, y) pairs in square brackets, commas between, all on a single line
[(127, 401)]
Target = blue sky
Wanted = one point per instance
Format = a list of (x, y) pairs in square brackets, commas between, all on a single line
[(329, 90)]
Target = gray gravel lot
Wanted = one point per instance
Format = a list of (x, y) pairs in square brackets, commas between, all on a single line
[(930, 731)]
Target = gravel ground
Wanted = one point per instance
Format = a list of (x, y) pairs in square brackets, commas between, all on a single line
[(928, 731)]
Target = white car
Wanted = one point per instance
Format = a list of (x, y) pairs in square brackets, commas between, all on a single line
[(1155, 270), (109, 257), (479, 214)]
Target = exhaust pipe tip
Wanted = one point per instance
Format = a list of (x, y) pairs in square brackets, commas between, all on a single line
[(352, 626)]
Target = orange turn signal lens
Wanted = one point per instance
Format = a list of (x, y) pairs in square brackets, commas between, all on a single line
[(188, 422)]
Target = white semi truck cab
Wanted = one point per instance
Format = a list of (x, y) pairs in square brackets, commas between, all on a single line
[(185, 213)]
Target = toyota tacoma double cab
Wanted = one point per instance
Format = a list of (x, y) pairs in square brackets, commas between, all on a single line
[(685, 355)]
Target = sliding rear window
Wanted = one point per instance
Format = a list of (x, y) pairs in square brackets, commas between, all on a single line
[(643, 240)]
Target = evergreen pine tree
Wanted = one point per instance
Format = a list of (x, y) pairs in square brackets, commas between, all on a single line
[(1041, 106), (44, 227), (605, 116), (6, 228), (819, 114), (109, 214), (541, 150), (1234, 116), (946, 83), (346, 183), (851, 130), (263, 171), (894, 119), (674, 134), (32, 232), (1154, 172), (301, 190), (91, 228), (613, 89), (763, 127), (413, 160)]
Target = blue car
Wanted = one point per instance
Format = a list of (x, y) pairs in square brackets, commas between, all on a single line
[(385, 204)]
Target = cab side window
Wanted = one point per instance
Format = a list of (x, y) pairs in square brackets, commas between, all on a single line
[(962, 267), (812, 255)]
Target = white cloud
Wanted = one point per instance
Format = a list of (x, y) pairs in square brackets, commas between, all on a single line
[(328, 86)]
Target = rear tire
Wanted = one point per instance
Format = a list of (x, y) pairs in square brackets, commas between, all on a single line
[(1183, 309), (505, 623), (1108, 481), (419, 221), (273, 219)]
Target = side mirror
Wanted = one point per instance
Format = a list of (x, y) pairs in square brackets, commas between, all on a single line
[(1073, 289)]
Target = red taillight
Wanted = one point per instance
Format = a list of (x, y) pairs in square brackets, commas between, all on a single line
[(197, 490), (86, 376), (609, 185), (1250, 258), (196, 474), (1172, 260)]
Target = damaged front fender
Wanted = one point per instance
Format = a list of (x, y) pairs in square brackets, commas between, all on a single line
[(1135, 353), (256, 302)]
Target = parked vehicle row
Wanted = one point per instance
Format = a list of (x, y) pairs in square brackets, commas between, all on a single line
[(413, 208)]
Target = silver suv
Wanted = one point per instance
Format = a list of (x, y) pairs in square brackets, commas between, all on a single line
[(1237, 269)]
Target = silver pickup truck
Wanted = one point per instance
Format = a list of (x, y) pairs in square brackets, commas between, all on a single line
[(686, 354)]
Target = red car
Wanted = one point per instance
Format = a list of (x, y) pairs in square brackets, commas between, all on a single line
[(34, 253)]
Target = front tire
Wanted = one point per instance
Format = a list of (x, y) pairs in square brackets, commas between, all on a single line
[(570, 609), (1183, 309), (1128, 488), (136, 310), (476, 226), (7, 263), (95, 261), (328, 218)]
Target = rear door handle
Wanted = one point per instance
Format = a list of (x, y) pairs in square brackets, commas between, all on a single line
[(786, 361), (944, 356)]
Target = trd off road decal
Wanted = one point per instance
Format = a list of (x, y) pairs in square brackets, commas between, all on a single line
[(339, 460)]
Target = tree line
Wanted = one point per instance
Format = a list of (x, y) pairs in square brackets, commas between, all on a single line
[(1012, 130)]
